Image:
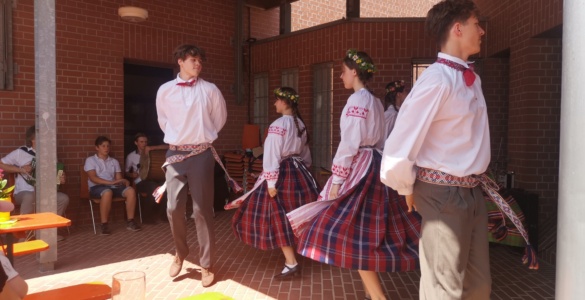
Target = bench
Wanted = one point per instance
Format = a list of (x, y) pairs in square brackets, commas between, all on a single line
[(29, 247), (86, 291)]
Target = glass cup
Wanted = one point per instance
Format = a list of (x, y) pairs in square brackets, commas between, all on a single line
[(129, 285)]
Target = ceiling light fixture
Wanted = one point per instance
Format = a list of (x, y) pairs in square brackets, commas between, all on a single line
[(133, 14)]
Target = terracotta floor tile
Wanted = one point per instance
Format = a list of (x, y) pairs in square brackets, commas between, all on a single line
[(241, 271)]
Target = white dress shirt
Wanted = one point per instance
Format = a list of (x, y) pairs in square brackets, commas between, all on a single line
[(190, 115), (362, 124), (442, 125), (283, 140)]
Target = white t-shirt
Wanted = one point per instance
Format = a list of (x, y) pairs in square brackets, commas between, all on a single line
[(132, 162), (104, 168), (8, 269), (20, 158)]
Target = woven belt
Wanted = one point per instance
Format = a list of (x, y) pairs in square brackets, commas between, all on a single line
[(491, 189), (195, 150)]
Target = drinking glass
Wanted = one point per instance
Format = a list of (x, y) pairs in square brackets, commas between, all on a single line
[(129, 285)]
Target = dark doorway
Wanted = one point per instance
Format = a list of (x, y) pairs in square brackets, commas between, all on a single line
[(141, 82)]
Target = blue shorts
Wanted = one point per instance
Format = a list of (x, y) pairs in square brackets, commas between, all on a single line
[(97, 191)]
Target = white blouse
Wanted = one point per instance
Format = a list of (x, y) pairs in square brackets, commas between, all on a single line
[(362, 125), (390, 118), (282, 141)]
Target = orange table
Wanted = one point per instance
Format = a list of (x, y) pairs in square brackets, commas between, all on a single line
[(30, 222)]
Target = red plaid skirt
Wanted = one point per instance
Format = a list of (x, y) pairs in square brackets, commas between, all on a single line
[(368, 228), (261, 220)]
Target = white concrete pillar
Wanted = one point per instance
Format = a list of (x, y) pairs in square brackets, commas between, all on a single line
[(570, 276), (45, 108)]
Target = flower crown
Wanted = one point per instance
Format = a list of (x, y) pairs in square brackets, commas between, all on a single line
[(395, 85), (286, 95), (362, 64)]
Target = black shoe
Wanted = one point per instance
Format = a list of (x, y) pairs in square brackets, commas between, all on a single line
[(105, 229), (133, 226), (290, 272)]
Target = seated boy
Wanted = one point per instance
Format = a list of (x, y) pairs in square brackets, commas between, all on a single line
[(105, 181), (22, 163)]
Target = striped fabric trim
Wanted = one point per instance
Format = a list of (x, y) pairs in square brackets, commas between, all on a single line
[(471, 181)]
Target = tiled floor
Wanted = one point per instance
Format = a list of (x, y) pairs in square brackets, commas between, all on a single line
[(243, 272)]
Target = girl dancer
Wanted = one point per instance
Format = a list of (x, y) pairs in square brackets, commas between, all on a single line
[(285, 184), (358, 222)]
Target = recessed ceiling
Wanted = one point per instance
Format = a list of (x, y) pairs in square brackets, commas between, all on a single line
[(267, 4)]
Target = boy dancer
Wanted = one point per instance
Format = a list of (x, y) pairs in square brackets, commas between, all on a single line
[(436, 154), (191, 112)]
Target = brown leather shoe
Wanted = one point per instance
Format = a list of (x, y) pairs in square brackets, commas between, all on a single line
[(206, 277), (176, 266)]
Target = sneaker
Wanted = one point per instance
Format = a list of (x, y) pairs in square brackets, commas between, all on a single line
[(133, 226), (206, 277), (105, 229)]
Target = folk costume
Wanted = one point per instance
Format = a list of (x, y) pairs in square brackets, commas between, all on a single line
[(191, 114), (260, 220), (438, 152), (367, 227)]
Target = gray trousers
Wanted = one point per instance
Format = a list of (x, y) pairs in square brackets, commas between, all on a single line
[(26, 200), (453, 249), (195, 174)]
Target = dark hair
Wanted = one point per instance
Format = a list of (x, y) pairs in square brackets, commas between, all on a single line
[(294, 105), (392, 89), (444, 14), (139, 135), (100, 139), (185, 50), (363, 75), (30, 135)]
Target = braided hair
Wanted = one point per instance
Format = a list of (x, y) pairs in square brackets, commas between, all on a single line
[(290, 97)]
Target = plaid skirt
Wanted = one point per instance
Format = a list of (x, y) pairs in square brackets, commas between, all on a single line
[(261, 220), (368, 228)]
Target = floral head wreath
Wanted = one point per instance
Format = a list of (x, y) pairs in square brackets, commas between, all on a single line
[(395, 86), (286, 95), (362, 64)]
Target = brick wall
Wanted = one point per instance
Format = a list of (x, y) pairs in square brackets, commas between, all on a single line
[(396, 43), (528, 33), (309, 13), (395, 8), (92, 43)]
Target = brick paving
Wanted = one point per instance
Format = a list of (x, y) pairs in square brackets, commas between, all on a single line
[(243, 272)]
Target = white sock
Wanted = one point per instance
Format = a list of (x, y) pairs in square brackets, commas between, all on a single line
[(285, 269)]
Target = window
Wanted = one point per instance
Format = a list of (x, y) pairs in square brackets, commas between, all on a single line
[(418, 66), (6, 64), (290, 78), (322, 116), (261, 102)]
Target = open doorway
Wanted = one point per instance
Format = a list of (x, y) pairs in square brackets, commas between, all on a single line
[(141, 82)]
